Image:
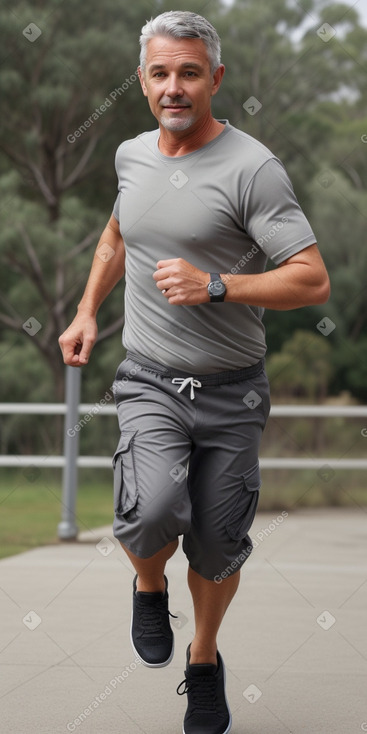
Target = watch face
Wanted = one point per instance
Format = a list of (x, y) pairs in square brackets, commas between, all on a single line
[(217, 288)]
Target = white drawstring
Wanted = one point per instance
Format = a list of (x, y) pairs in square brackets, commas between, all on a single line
[(183, 381)]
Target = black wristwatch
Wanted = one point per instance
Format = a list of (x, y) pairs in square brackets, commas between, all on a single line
[(216, 288)]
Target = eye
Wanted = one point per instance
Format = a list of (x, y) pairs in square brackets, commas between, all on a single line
[(190, 73), (158, 74)]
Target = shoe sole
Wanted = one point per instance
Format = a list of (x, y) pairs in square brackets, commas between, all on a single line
[(224, 732), (225, 698), (150, 665)]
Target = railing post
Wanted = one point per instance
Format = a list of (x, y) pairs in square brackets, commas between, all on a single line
[(67, 528)]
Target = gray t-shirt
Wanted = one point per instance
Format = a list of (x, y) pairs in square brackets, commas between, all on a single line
[(225, 208)]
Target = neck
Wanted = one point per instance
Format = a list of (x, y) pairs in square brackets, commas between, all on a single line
[(177, 143)]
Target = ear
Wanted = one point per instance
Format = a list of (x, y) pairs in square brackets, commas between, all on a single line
[(142, 82), (217, 78)]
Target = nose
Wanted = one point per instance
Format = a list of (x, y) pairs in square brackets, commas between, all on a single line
[(173, 88)]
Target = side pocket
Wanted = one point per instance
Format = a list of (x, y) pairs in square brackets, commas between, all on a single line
[(243, 514), (125, 490)]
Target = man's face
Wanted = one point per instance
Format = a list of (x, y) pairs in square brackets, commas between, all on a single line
[(177, 81)]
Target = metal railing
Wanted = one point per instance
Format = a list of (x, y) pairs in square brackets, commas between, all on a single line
[(70, 461), (105, 462)]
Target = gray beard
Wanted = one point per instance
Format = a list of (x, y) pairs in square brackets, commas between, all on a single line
[(174, 124)]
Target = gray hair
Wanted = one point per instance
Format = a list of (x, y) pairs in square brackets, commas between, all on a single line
[(182, 24)]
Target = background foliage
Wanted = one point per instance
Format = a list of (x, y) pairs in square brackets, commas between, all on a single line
[(58, 188)]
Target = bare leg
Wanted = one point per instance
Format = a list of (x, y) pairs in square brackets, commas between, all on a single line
[(211, 601), (151, 570)]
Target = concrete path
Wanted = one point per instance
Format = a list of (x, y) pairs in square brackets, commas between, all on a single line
[(294, 640)]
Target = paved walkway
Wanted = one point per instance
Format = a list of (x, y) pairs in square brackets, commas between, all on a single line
[(294, 640)]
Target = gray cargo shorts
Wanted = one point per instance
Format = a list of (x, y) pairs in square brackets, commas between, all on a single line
[(187, 461)]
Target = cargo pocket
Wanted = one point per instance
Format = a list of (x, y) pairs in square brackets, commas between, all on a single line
[(125, 488), (244, 511)]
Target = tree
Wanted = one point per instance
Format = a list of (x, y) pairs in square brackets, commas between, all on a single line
[(289, 73), (70, 95), (69, 84), (61, 102), (302, 369)]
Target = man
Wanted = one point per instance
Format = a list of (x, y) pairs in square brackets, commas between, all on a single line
[(201, 206)]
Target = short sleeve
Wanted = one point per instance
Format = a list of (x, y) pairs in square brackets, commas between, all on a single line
[(119, 167), (116, 208), (272, 215)]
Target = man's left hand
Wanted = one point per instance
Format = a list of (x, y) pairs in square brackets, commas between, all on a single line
[(181, 283)]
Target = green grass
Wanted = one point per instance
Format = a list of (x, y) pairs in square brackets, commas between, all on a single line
[(31, 510), (31, 502)]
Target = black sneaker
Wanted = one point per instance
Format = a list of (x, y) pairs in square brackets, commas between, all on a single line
[(207, 707), (151, 634)]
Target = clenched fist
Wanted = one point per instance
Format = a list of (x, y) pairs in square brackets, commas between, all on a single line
[(181, 283)]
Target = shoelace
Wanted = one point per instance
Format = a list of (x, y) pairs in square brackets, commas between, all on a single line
[(183, 381), (202, 690), (151, 618)]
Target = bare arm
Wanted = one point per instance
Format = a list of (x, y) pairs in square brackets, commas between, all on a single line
[(107, 269), (301, 280)]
